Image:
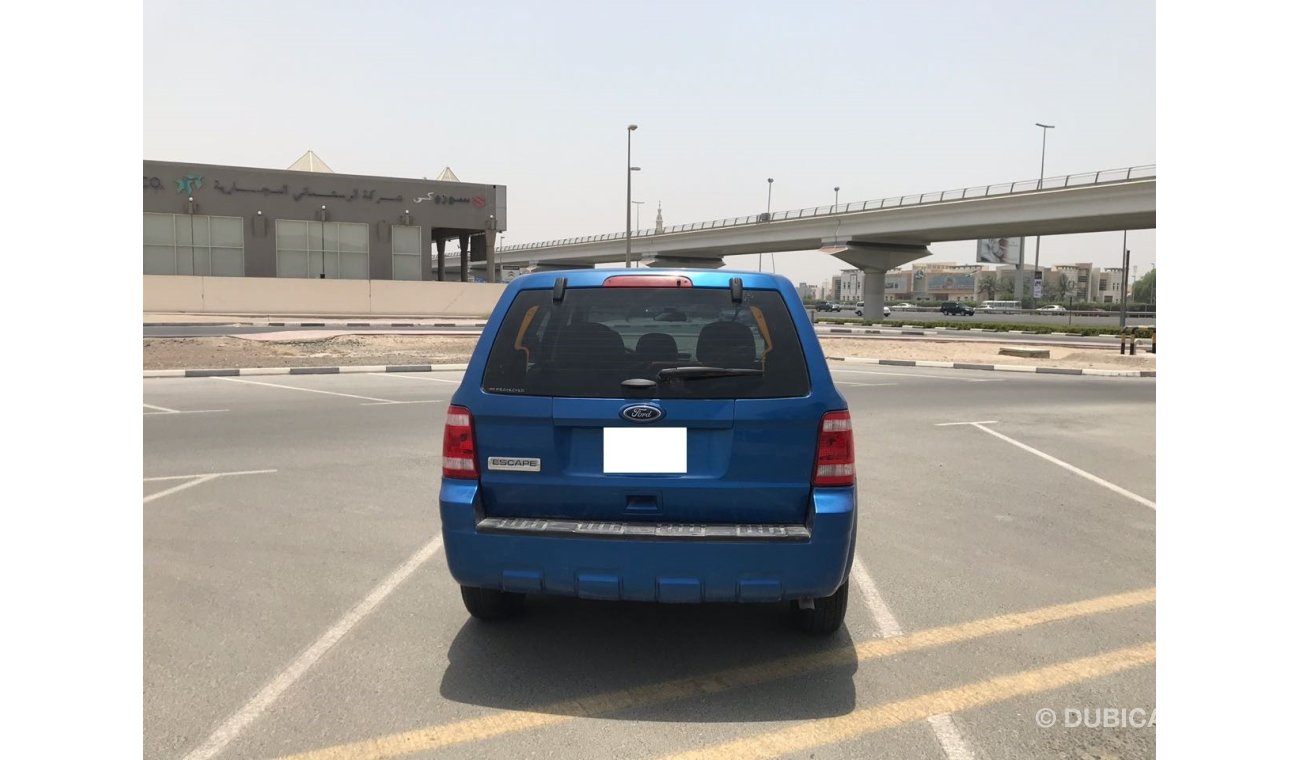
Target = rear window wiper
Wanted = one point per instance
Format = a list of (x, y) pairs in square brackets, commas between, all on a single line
[(690, 373)]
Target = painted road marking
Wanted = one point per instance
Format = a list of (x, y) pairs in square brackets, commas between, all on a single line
[(817, 733), (864, 385), (236, 723), (1065, 465), (405, 376), (305, 390), (209, 474), (949, 738), (161, 408), (196, 480), (920, 374), (391, 403), (880, 614), (513, 721), (174, 411), (181, 487)]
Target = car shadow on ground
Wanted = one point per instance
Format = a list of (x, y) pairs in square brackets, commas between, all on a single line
[(562, 650)]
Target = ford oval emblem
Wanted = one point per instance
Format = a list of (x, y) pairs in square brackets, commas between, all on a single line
[(641, 413)]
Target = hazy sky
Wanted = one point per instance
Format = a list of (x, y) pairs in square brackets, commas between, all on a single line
[(882, 99)]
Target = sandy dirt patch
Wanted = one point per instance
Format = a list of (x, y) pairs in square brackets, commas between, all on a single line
[(331, 350), (335, 351), (987, 353)]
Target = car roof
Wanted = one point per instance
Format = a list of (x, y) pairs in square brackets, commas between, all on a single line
[(700, 278)]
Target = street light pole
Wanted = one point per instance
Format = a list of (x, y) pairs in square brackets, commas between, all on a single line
[(638, 205), (1042, 164), (769, 218), (837, 196), (627, 257)]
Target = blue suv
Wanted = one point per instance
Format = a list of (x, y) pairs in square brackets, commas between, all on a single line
[(650, 435)]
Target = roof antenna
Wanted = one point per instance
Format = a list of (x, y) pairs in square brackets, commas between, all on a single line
[(558, 294), (737, 294)]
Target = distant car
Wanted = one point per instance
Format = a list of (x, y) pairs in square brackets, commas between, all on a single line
[(903, 306), (958, 309), (671, 315), (1053, 309), (858, 310), (826, 306)]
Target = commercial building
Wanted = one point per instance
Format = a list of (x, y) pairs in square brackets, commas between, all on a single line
[(946, 281), (309, 222)]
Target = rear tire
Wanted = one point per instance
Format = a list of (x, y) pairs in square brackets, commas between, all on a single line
[(827, 615), (490, 604)]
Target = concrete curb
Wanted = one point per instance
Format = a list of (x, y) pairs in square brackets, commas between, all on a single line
[(376, 324), (999, 367), (247, 371), (899, 328)]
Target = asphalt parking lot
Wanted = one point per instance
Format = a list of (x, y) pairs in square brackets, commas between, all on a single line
[(297, 604)]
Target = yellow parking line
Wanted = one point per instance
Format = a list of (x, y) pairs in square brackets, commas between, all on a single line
[(513, 721), (816, 733)]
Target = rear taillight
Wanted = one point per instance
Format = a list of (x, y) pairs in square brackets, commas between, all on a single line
[(458, 459), (834, 451)]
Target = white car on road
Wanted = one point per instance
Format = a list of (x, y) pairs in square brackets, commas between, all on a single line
[(1053, 309)]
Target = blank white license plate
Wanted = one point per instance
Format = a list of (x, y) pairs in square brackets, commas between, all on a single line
[(645, 450)]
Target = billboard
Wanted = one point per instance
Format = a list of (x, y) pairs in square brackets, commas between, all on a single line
[(998, 251), (949, 283)]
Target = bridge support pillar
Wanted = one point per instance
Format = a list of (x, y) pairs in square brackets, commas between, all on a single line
[(874, 259)]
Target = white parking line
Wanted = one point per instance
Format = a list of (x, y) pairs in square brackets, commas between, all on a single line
[(880, 614), (945, 731), (921, 374), (175, 411), (1059, 463), (408, 376), (208, 474), (181, 487), (196, 479), (306, 390), (236, 723), (949, 737)]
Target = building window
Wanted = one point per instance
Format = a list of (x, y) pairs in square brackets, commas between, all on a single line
[(406, 253), (338, 250), (194, 244)]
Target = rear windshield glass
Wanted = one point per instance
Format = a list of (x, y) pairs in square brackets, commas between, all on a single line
[(596, 338)]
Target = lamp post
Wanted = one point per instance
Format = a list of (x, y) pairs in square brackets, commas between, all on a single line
[(768, 217), (638, 205), (627, 258), (837, 196), (1042, 164)]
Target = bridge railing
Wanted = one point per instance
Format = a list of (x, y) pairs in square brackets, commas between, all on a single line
[(946, 196)]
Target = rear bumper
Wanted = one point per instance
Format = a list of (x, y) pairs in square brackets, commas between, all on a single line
[(697, 568)]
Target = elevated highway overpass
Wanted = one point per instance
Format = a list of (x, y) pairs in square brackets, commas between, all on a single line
[(874, 236)]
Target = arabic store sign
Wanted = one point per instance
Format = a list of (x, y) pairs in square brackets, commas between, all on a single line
[(306, 192), (189, 183)]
